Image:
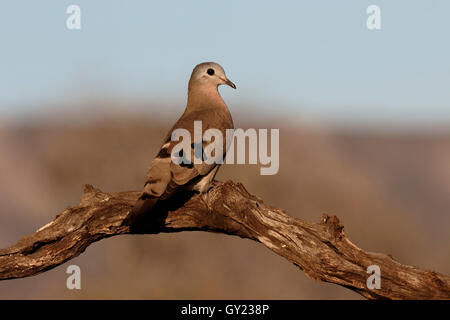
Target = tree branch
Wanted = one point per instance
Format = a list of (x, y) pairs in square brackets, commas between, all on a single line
[(321, 249)]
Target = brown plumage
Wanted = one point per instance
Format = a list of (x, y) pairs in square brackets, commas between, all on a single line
[(165, 178)]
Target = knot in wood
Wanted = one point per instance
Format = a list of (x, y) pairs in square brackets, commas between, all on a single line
[(334, 226)]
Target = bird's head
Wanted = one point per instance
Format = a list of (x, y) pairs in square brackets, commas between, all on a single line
[(209, 74)]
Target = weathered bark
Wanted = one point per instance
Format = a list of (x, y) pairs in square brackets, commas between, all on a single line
[(321, 249)]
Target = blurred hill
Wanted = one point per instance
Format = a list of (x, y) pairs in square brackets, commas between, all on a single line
[(391, 191)]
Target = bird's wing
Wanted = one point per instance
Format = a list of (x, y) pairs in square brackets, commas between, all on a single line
[(165, 176)]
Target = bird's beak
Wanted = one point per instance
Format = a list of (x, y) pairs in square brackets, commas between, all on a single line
[(231, 84)]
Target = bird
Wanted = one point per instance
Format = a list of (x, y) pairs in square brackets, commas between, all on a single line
[(165, 178)]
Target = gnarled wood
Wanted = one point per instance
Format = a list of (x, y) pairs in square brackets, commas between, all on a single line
[(321, 249)]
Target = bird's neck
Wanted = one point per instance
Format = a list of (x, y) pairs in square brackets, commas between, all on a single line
[(204, 97)]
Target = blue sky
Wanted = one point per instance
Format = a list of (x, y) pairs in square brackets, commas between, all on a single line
[(313, 58)]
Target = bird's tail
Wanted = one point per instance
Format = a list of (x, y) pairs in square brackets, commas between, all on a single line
[(142, 207)]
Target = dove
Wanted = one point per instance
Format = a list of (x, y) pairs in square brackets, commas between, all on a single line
[(166, 177)]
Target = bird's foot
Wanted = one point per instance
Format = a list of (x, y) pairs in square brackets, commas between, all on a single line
[(215, 183)]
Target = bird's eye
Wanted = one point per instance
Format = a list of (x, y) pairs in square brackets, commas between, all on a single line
[(210, 72)]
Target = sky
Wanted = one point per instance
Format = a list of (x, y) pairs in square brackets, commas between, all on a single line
[(314, 58)]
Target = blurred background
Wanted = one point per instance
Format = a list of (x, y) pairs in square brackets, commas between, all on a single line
[(364, 121)]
